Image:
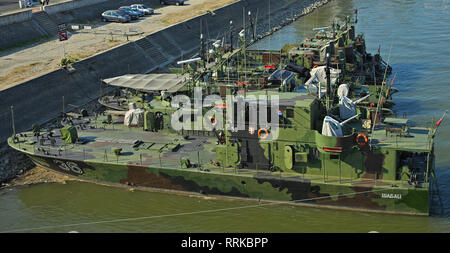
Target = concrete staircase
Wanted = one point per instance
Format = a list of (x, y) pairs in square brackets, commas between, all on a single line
[(44, 20), (144, 44), (152, 51)]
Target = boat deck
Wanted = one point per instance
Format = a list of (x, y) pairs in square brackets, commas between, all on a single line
[(97, 142), (415, 139)]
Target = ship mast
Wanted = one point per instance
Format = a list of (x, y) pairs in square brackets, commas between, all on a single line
[(380, 99), (328, 93), (231, 35)]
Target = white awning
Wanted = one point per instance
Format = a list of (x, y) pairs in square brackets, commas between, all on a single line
[(148, 82)]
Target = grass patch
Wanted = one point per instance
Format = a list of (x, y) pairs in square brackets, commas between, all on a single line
[(68, 60), (18, 73), (81, 54)]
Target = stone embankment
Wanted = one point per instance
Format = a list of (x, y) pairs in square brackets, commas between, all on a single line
[(13, 163)]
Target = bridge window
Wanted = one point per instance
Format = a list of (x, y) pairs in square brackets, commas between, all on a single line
[(290, 113)]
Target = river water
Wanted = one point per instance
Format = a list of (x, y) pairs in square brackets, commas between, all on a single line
[(418, 32)]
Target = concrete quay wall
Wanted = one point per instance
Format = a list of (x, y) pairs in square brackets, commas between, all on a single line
[(15, 17), (39, 100)]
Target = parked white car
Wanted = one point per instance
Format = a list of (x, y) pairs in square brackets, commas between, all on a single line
[(141, 7)]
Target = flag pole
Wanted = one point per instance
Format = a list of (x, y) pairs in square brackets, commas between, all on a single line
[(438, 123)]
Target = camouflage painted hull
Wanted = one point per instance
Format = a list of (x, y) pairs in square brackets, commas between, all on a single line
[(369, 196)]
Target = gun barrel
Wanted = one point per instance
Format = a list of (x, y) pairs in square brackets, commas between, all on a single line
[(362, 99), (321, 28), (347, 120)]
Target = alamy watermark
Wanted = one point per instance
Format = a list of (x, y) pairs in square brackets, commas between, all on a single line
[(256, 114)]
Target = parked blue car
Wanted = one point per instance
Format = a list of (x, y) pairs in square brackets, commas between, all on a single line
[(115, 16), (135, 14)]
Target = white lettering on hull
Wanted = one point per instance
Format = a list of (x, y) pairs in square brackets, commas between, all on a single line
[(391, 196)]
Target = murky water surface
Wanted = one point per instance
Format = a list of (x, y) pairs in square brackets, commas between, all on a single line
[(419, 34)]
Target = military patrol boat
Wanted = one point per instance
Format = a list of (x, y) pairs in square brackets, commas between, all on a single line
[(325, 148), (353, 70), (305, 151)]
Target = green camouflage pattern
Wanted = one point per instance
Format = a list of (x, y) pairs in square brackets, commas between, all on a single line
[(357, 178), (385, 170)]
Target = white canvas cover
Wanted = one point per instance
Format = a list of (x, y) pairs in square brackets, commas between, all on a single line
[(132, 106), (331, 127), (318, 76), (343, 90), (134, 117), (347, 108)]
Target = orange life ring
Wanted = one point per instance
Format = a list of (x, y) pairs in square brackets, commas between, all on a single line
[(259, 133), (214, 123), (365, 140)]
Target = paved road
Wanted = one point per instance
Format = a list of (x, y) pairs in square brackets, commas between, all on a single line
[(26, 63), (8, 5)]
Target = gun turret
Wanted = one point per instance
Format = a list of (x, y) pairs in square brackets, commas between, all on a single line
[(347, 107), (332, 127)]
